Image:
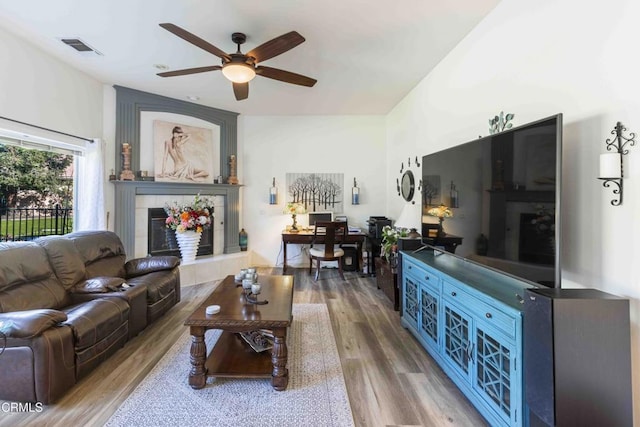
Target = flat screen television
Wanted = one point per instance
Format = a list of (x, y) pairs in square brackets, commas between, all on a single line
[(504, 193)]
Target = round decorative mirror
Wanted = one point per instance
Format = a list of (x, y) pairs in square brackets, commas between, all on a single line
[(407, 186)]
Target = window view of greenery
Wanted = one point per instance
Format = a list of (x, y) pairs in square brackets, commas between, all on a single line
[(36, 193)]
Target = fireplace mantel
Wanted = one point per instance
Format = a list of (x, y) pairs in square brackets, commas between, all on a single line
[(125, 206)]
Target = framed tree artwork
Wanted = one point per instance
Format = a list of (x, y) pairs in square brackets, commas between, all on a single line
[(316, 191)]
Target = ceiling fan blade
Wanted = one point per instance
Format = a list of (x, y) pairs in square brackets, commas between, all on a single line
[(285, 76), (276, 46), (190, 71), (195, 40), (241, 90)]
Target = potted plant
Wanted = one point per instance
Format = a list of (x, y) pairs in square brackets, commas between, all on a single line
[(390, 236)]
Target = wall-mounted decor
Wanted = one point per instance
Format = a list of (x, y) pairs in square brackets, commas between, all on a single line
[(316, 191), (406, 184), (182, 153), (273, 193), (611, 170), (355, 193)]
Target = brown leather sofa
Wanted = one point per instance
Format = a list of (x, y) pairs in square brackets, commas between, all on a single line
[(67, 303)]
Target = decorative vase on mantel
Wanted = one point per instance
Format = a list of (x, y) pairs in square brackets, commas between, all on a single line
[(188, 242)]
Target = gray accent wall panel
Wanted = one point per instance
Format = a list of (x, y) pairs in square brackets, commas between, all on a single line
[(129, 104)]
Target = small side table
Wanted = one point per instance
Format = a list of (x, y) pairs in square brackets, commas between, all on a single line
[(387, 280)]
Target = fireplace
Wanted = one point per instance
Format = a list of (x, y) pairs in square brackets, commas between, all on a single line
[(162, 240)]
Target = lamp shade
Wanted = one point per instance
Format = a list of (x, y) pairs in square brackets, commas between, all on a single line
[(610, 165), (294, 209), (238, 72), (440, 211)]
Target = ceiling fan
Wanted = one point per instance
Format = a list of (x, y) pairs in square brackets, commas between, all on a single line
[(240, 67)]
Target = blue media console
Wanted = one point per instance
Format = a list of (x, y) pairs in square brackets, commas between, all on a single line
[(469, 318)]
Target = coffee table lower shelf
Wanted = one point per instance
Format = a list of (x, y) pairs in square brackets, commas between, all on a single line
[(233, 358)]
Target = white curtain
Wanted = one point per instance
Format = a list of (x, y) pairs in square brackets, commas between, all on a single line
[(89, 210)]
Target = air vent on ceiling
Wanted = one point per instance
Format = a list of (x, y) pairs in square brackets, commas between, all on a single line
[(79, 45)]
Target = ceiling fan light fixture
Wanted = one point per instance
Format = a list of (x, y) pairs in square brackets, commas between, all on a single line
[(238, 73)]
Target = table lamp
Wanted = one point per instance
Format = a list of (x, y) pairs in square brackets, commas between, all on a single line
[(441, 212), (294, 209)]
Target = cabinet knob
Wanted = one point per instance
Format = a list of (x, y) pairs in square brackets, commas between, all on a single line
[(453, 294), (409, 267), (426, 278), (489, 316)]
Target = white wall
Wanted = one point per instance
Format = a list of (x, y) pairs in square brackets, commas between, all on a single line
[(38, 89), (536, 59), (274, 145)]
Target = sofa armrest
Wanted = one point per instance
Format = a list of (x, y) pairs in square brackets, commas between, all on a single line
[(98, 285), (30, 323), (139, 266)]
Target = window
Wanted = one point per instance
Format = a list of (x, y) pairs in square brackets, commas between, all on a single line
[(36, 186)]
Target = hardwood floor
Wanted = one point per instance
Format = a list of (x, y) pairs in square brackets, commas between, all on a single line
[(390, 378)]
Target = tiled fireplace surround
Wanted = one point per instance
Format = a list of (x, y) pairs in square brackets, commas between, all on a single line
[(134, 198)]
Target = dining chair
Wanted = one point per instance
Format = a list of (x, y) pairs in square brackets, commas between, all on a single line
[(331, 234)]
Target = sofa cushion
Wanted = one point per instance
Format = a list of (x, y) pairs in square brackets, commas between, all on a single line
[(101, 251), (139, 266), (95, 320), (27, 281), (65, 259), (98, 285), (27, 324), (159, 284)]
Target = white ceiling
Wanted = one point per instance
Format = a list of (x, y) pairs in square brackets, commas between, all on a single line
[(366, 54)]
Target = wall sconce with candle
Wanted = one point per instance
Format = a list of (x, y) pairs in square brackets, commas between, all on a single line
[(273, 193), (611, 170), (355, 193)]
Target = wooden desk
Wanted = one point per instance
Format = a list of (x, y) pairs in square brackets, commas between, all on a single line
[(306, 238)]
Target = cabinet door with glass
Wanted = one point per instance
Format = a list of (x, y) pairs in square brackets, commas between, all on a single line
[(430, 315), (411, 301), (457, 345), (496, 377)]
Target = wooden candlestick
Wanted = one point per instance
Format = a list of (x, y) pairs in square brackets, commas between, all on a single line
[(127, 173)]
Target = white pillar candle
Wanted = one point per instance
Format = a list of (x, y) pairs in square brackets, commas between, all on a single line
[(610, 166)]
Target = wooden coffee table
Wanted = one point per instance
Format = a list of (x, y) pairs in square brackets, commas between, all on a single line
[(232, 356)]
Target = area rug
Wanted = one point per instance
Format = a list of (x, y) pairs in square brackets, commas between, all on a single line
[(316, 394)]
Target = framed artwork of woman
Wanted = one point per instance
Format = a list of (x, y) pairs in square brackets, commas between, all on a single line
[(182, 153)]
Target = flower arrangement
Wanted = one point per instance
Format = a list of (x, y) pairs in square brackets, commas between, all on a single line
[(192, 217), (390, 236)]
